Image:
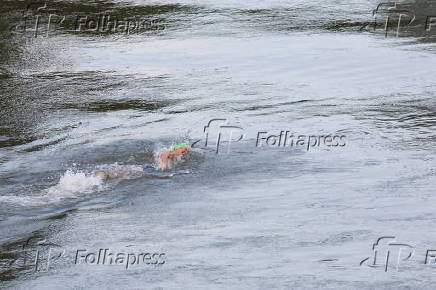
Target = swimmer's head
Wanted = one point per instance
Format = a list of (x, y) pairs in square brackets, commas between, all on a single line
[(181, 149)]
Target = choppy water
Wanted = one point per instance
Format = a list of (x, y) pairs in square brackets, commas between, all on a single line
[(286, 218)]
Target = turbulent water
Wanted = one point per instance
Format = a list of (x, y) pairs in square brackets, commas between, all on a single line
[(255, 215)]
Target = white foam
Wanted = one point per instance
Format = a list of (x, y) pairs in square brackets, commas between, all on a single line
[(73, 183)]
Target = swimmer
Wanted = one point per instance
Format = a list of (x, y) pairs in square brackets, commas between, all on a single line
[(167, 158)]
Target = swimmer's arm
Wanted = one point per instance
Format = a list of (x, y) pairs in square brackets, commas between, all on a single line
[(106, 175), (110, 175), (165, 158), (156, 176), (102, 175)]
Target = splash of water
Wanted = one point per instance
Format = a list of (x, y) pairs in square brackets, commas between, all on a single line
[(72, 183)]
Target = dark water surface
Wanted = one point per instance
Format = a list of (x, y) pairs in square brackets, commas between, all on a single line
[(255, 218)]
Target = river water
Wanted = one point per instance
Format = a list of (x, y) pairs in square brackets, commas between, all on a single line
[(254, 216)]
